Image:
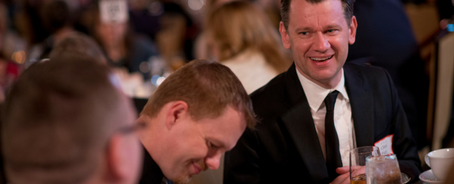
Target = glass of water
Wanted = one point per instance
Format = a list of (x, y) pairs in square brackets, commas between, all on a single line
[(383, 170), (358, 163)]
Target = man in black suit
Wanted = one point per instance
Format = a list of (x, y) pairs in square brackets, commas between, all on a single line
[(321, 107)]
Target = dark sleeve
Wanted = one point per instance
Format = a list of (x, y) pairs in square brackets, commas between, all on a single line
[(403, 144), (241, 165)]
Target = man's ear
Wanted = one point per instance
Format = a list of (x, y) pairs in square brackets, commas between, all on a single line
[(176, 111), (115, 160), (352, 31), (284, 35)]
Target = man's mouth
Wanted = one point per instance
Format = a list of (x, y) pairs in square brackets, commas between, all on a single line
[(196, 168), (321, 59)]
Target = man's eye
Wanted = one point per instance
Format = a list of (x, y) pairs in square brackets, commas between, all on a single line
[(332, 31), (214, 146), (211, 145), (304, 33)]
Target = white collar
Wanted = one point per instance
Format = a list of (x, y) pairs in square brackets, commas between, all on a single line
[(316, 94)]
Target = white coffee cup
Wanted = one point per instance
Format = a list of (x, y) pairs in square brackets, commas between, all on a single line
[(440, 161)]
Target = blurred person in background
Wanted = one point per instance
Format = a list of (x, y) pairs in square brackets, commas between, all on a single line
[(56, 17), (124, 49), (64, 121), (144, 16), (79, 44), (9, 72), (201, 45), (393, 46), (176, 37), (27, 18), (272, 9), (10, 41), (244, 40), (9, 44)]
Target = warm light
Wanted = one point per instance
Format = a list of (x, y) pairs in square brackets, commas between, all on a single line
[(18, 57), (195, 4)]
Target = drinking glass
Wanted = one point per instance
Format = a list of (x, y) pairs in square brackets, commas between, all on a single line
[(383, 170), (358, 162)]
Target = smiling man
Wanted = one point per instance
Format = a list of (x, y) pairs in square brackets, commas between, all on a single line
[(198, 113), (318, 110)]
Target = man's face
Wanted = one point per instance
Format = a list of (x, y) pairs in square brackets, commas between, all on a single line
[(197, 146), (318, 36)]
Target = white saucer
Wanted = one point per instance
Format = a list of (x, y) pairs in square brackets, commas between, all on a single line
[(428, 177)]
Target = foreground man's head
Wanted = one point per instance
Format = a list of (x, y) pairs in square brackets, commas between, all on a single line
[(197, 113), (66, 122)]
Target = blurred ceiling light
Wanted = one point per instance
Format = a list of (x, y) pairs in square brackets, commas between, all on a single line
[(195, 4)]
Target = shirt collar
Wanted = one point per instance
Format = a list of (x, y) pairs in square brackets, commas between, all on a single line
[(316, 94)]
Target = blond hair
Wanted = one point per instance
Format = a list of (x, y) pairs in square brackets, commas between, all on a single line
[(237, 26)]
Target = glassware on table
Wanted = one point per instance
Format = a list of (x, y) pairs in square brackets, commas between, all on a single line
[(358, 162), (383, 170)]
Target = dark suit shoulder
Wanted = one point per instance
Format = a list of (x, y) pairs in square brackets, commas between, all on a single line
[(365, 69), (374, 75), (268, 100)]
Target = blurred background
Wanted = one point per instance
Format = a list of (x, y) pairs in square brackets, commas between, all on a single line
[(146, 40)]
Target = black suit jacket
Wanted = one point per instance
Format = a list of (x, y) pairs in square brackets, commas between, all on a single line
[(284, 147)]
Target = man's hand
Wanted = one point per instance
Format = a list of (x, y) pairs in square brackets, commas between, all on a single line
[(344, 177)]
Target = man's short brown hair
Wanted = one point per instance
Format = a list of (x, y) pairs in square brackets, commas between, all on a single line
[(207, 87), (56, 120), (285, 9)]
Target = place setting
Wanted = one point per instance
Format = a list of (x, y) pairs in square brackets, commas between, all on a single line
[(368, 165), (440, 162)]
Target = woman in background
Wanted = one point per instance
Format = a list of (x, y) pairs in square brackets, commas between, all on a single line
[(244, 40), (123, 48)]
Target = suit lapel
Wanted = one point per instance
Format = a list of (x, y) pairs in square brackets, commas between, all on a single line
[(300, 125), (362, 107)]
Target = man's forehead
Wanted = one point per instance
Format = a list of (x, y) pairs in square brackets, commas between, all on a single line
[(297, 5), (301, 11)]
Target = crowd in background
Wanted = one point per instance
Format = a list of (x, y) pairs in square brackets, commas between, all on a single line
[(158, 36)]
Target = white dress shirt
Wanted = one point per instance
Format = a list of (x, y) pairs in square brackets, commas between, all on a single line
[(343, 121)]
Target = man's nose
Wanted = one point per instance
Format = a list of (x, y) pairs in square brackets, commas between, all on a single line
[(321, 43), (213, 161)]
